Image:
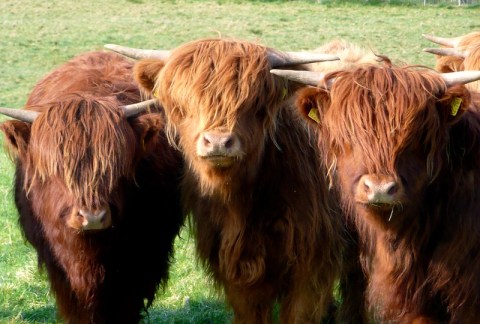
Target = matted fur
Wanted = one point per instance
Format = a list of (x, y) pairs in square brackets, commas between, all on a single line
[(265, 227), (81, 152), (423, 263), (83, 140)]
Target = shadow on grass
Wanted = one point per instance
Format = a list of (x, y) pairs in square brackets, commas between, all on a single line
[(46, 314), (198, 311), (203, 311)]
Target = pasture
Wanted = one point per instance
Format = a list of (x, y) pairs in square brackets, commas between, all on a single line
[(36, 36)]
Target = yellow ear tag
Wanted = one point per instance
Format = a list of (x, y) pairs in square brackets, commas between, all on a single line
[(313, 114), (455, 105), (155, 94), (284, 93)]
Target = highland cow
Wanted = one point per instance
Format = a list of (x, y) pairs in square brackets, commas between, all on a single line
[(403, 147), (265, 225), (452, 56), (97, 193)]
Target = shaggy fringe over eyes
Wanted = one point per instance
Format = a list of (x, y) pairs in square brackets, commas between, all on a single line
[(377, 109), (218, 81), (84, 141)]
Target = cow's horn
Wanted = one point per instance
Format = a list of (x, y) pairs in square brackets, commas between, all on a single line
[(137, 53), (305, 77), (461, 77), (445, 52), (137, 108), (20, 114), (279, 59), (451, 42)]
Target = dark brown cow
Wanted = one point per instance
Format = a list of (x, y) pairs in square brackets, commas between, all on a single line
[(96, 193), (265, 228), (404, 152)]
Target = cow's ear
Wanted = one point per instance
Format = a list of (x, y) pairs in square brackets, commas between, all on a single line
[(149, 129), (17, 136), (146, 72), (312, 103), (454, 103)]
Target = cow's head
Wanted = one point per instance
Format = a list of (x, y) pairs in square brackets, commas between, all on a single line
[(221, 104), (75, 153), (384, 132), (455, 52)]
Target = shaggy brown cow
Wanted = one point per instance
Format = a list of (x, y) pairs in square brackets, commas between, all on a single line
[(96, 193), (265, 228), (404, 152), (452, 57)]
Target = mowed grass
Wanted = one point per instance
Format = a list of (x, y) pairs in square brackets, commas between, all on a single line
[(36, 36)]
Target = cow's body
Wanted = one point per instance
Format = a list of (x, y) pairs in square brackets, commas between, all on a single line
[(404, 152), (264, 225), (79, 156)]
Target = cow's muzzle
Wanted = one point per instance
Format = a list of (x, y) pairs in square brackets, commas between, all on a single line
[(221, 149), (90, 220)]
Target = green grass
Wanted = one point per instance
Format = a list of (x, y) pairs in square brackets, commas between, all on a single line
[(36, 36)]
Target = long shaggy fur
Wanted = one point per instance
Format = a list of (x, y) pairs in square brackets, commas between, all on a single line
[(266, 229), (424, 264), (81, 151)]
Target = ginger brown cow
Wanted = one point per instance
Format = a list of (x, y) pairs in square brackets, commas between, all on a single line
[(97, 194), (452, 56), (404, 152), (265, 226)]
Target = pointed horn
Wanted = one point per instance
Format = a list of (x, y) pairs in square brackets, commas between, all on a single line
[(137, 108), (279, 59), (305, 77), (450, 42), (20, 114), (445, 52), (461, 77), (137, 53)]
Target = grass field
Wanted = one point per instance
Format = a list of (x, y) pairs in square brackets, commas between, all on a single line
[(36, 36)]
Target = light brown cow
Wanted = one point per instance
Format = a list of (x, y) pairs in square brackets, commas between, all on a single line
[(264, 221)]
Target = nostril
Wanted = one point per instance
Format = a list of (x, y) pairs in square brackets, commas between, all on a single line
[(229, 143), (206, 141), (367, 185), (393, 189)]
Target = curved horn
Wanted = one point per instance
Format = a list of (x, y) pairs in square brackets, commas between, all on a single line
[(279, 59), (137, 108), (461, 77), (20, 114), (450, 42), (137, 53), (305, 77), (445, 52)]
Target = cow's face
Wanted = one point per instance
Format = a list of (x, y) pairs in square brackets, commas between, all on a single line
[(384, 133), (221, 103), (75, 156)]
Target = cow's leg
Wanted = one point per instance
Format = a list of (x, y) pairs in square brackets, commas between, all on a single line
[(251, 305), (306, 303)]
